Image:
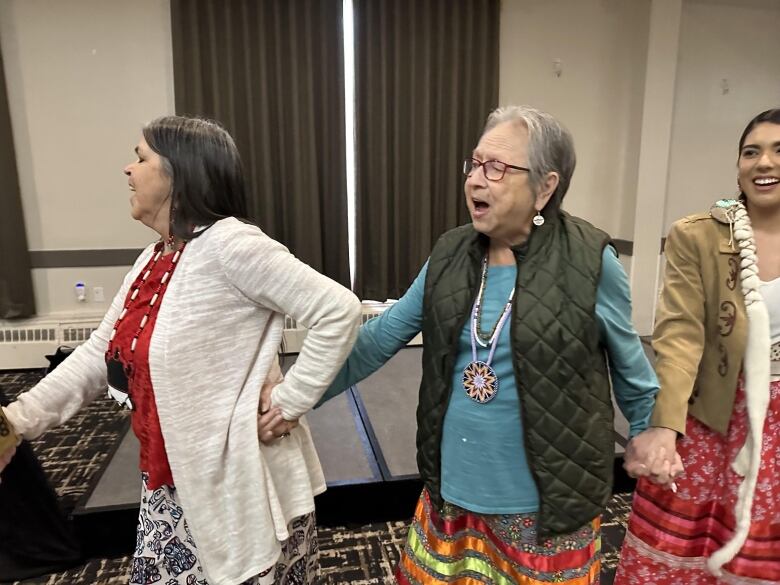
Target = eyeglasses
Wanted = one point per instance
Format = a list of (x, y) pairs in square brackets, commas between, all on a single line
[(494, 169)]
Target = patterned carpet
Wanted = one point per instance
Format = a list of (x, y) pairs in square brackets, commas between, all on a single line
[(73, 453), (366, 555)]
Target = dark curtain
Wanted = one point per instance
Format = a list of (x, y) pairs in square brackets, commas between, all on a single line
[(272, 72), (426, 79), (16, 288)]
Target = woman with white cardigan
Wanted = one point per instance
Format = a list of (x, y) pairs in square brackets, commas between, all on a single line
[(187, 344)]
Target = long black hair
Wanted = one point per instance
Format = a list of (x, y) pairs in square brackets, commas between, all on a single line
[(204, 166)]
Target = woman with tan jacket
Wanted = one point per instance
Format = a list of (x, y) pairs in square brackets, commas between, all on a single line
[(717, 340)]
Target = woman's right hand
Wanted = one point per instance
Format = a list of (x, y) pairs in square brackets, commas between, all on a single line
[(272, 427), (270, 424)]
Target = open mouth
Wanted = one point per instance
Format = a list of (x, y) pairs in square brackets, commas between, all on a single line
[(480, 206)]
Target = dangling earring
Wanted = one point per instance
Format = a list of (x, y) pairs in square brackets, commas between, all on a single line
[(170, 241), (538, 219)]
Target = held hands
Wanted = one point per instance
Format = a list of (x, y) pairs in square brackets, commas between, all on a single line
[(653, 454), (270, 424)]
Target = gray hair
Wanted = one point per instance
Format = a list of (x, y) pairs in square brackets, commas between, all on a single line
[(550, 148)]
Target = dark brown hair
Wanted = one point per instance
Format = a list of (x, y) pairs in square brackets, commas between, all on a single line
[(202, 161)]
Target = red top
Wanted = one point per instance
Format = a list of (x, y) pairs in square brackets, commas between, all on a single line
[(145, 421)]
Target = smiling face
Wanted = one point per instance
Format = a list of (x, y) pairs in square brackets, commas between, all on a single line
[(150, 188), (759, 166)]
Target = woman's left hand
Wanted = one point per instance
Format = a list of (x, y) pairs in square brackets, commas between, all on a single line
[(270, 424)]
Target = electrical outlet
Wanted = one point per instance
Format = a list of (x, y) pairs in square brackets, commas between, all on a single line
[(81, 292), (97, 294)]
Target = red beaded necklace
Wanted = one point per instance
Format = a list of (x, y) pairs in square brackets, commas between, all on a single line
[(118, 391)]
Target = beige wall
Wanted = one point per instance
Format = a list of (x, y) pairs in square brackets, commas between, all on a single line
[(736, 40), (83, 76), (603, 48), (602, 45)]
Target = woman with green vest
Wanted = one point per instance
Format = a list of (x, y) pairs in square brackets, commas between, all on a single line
[(525, 315)]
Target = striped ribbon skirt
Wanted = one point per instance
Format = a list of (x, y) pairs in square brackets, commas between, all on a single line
[(464, 548), (670, 536)]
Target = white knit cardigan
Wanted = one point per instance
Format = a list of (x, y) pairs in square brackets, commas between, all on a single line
[(214, 342)]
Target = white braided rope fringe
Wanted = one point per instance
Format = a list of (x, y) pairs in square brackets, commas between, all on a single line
[(756, 373)]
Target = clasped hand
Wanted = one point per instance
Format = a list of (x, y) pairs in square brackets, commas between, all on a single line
[(653, 454)]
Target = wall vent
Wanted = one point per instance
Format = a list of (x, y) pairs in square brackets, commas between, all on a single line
[(28, 335), (366, 317), (71, 334), (25, 345)]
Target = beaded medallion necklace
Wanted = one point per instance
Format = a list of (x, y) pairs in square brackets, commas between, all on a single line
[(479, 378)]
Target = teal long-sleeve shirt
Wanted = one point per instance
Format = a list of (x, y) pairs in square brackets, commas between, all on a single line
[(484, 467)]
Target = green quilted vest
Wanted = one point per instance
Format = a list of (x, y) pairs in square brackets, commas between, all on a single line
[(560, 366)]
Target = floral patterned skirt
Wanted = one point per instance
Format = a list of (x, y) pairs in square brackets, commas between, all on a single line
[(671, 535), (466, 548), (166, 553)]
